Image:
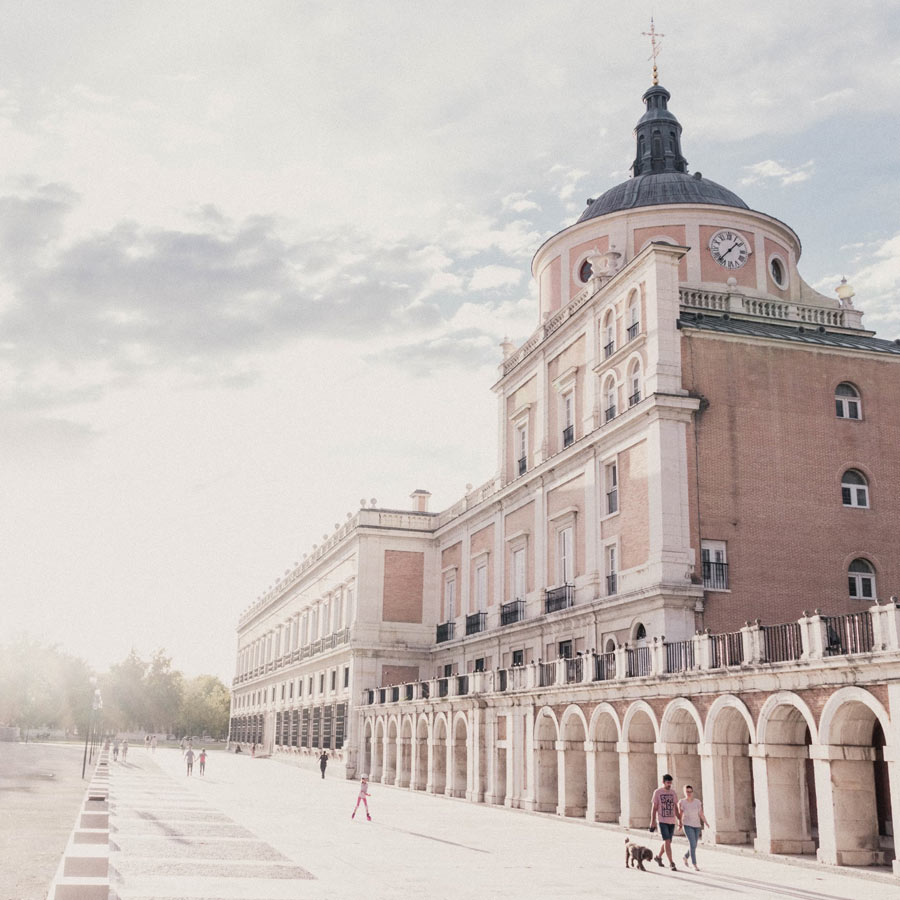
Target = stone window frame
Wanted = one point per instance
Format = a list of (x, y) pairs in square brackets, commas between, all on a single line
[(566, 389), (611, 552), (479, 561), (843, 401), (450, 578), (851, 490), (776, 259), (560, 522), (865, 573), (521, 424), (517, 542)]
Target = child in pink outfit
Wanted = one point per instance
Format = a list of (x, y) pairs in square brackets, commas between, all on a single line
[(363, 797)]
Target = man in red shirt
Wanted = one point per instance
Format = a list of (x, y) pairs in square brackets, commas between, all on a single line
[(664, 810)]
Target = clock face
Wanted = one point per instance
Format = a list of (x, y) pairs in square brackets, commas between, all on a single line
[(729, 249)]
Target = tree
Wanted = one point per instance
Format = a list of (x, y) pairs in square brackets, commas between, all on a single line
[(124, 695), (165, 691), (205, 708)]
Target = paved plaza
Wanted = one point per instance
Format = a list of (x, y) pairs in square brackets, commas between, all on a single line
[(258, 829)]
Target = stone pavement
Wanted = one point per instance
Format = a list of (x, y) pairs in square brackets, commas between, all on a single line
[(257, 829)]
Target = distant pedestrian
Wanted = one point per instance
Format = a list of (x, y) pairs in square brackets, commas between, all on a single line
[(146, 741), (238, 749), (153, 744), (253, 750), (664, 809), (692, 821), (124, 750), (202, 759), (189, 759), (323, 762), (362, 797), (115, 750)]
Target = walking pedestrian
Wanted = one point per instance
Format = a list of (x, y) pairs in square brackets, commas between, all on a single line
[(146, 741), (189, 759), (124, 750), (202, 759), (692, 821), (323, 762), (153, 744), (363, 797), (115, 750), (664, 810)]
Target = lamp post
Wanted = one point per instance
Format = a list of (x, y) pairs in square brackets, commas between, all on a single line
[(96, 704)]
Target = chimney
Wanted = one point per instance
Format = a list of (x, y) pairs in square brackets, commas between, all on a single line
[(420, 498)]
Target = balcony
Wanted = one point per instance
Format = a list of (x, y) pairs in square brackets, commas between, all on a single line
[(523, 464), (559, 598), (512, 612), (610, 413), (444, 632), (612, 584), (476, 622), (634, 399), (633, 331), (715, 576), (609, 349), (568, 435)]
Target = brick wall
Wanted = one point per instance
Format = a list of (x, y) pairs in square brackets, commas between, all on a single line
[(404, 575)]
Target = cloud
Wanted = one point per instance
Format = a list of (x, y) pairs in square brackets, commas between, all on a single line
[(494, 276), (519, 202), (769, 170)]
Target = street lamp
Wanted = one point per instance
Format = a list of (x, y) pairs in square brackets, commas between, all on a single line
[(96, 706)]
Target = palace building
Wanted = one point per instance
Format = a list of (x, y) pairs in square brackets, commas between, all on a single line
[(682, 564)]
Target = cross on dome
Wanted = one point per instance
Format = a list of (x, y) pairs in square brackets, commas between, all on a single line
[(654, 47)]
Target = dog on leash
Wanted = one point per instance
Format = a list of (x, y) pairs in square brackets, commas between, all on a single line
[(635, 854)]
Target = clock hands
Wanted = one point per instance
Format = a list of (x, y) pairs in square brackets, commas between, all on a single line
[(735, 244)]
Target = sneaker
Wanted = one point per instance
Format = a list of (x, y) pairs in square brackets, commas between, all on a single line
[(368, 818), (658, 860)]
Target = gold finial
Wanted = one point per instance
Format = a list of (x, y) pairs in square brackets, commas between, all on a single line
[(653, 34)]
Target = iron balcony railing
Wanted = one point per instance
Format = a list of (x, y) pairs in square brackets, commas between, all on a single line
[(726, 649), (444, 632), (546, 674), (410, 691), (612, 584), (609, 349), (424, 690), (476, 622), (610, 413), (512, 612), (680, 656), (715, 575), (574, 670), (523, 464), (568, 435), (851, 633), (612, 501), (639, 662), (633, 331), (605, 666), (559, 598), (443, 687), (782, 642), (462, 685), (395, 694), (634, 399)]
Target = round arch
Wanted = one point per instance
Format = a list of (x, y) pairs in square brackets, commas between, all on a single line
[(714, 718), (772, 718), (639, 706)]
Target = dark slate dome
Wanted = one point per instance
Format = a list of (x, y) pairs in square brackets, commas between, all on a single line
[(659, 171), (662, 188)]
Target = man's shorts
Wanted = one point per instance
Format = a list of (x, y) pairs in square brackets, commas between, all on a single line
[(666, 830)]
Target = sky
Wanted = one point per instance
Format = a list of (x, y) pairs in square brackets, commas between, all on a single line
[(256, 260)]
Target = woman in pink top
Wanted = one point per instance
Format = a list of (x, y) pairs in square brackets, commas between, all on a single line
[(362, 797), (692, 820)]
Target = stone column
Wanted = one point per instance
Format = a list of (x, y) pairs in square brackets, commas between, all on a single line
[(782, 805), (590, 759)]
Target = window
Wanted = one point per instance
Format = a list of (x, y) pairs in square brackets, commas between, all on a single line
[(566, 556), (846, 401), (612, 488), (610, 396), (565, 650), (479, 664), (612, 578), (861, 580), (333, 679), (778, 272), (609, 335), (518, 567), (346, 676), (522, 447), (640, 633), (634, 384), (481, 586), (568, 417), (321, 682), (448, 670), (450, 596), (634, 318), (283, 686), (518, 658), (585, 272), (714, 562), (309, 689), (854, 489)]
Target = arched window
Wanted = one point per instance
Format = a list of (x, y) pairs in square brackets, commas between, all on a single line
[(585, 272), (633, 318), (634, 383), (854, 489), (609, 335), (846, 401), (640, 633), (609, 394), (861, 580), (610, 645)]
